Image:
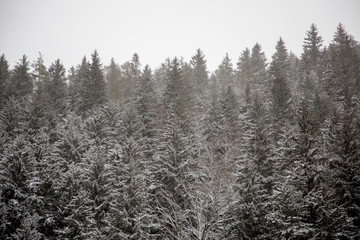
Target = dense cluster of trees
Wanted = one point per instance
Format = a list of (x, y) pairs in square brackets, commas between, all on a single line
[(266, 149)]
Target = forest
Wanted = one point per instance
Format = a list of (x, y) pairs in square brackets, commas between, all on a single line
[(264, 149)]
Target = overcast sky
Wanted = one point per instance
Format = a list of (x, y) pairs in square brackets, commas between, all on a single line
[(157, 29)]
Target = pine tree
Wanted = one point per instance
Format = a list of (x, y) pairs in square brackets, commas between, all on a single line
[(199, 75), (40, 112), (43, 183), (113, 81), (129, 213), (305, 175), (280, 91), (258, 64), (21, 83), (15, 168), (76, 217), (342, 82), (244, 71), (96, 89), (175, 161), (4, 77), (79, 88), (225, 72), (250, 214), (56, 87), (342, 142), (311, 49)]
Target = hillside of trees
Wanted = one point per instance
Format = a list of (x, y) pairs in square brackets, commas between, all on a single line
[(264, 149)]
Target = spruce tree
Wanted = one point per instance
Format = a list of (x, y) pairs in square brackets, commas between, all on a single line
[(96, 92), (342, 82), (21, 83), (225, 72), (40, 112), (79, 88), (342, 146), (280, 91), (311, 49), (199, 75), (4, 77), (258, 64), (113, 75), (56, 88), (176, 161), (250, 214), (244, 72)]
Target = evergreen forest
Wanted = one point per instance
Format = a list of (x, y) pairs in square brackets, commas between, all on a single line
[(262, 149)]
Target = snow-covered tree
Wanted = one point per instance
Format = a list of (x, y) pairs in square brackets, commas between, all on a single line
[(21, 82)]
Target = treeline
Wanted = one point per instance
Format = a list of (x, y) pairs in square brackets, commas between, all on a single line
[(266, 149)]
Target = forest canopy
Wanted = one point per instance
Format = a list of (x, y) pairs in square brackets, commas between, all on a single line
[(263, 149)]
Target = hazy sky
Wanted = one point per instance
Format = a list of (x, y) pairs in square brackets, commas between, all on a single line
[(157, 29)]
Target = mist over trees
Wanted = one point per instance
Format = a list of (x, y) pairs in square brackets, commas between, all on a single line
[(266, 148)]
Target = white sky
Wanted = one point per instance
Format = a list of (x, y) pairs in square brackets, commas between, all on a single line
[(157, 29)]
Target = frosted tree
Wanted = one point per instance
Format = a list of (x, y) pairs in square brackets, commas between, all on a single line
[(113, 83), (145, 105), (258, 64), (311, 49), (89, 84), (199, 77), (342, 141), (248, 216), (4, 77), (175, 161), (279, 87), (40, 109), (129, 214), (130, 73), (225, 72), (230, 113), (20, 83), (56, 88), (77, 86), (243, 70), (95, 88), (342, 79)]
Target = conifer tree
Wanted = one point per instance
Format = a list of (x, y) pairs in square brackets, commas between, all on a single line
[(129, 213), (311, 49), (258, 64), (343, 78), (40, 112), (199, 71), (21, 83), (79, 86), (342, 141), (175, 161), (280, 91), (96, 89), (4, 77), (225, 72), (244, 71), (250, 213), (113, 81), (56, 87)]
